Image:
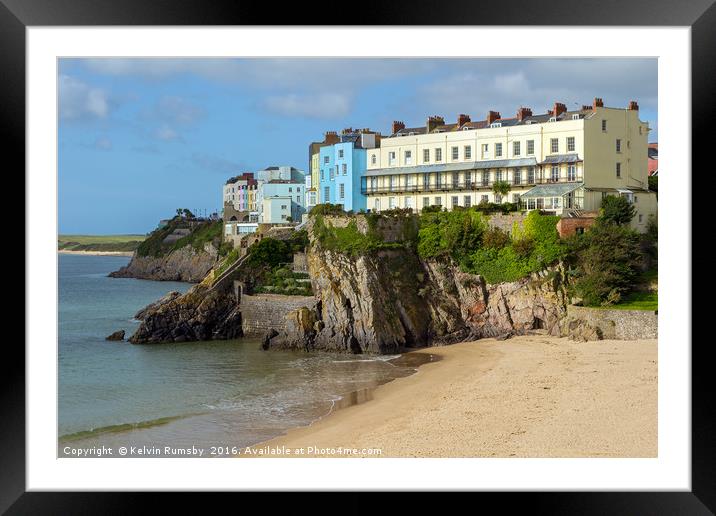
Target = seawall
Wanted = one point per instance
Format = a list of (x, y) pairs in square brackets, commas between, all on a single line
[(616, 324), (263, 312)]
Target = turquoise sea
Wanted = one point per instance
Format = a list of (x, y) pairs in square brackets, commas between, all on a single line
[(217, 393)]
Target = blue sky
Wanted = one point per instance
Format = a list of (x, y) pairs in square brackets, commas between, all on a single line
[(139, 138)]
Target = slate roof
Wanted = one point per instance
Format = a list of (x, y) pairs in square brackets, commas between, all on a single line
[(448, 167), (552, 190), (561, 158)]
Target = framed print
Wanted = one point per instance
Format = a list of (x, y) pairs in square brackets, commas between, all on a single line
[(289, 247)]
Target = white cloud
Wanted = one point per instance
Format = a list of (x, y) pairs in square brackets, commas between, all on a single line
[(324, 105), (103, 143), (78, 100), (176, 110), (167, 134)]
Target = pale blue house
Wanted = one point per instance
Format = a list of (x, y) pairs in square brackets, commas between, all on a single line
[(341, 166)]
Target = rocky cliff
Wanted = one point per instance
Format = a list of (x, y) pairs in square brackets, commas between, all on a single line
[(184, 264), (388, 299)]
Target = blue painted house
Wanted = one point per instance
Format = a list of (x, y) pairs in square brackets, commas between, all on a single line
[(341, 166)]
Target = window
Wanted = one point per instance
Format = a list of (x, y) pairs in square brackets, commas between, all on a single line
[(455, 179), (553, 119), (391, 158), (325, 159), (531, 204), (426, 155), (554, 176), (530, 147), (486, 178), (344, 169), (392, 183), (326, 194), (408, 180), (426, 179), (342, 191), (467, 201), (496, 124), (498, 175), (298, 199), (554, 145), (438, 154), (571, 173), (516, 148), (373, 159), (298, 188), (408, 157), (484, 198), (485, 151), (340, 153), (619, 170), (438, 179), (498, 199), (576, 117), (498, 150), (468, 179), (455, 201), (468, 152), (619, 145), (283, 206), (408, 202), (604, 125), (636, 199), (640, 218), (517, 177), (376, 205), (391, 203), (570, 144), (290, 190), (438, 201), (454, 153), (516, 198), (531, 175), (426, 202)]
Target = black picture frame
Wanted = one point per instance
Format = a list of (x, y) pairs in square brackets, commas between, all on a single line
[(17, 15)]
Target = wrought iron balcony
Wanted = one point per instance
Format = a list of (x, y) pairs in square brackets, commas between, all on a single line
[(455, 186)]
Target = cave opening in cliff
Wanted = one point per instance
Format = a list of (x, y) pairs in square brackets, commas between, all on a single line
[(537, 324)]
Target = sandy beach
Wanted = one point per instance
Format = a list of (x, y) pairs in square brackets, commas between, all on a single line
[(98, 253), (530, 396)]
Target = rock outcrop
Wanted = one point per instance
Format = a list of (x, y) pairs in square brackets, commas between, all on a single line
[(117, 335), (184, 264), (199, 314), (386, 300)]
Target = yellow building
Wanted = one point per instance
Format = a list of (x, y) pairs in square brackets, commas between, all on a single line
[(313, 194), (561, 161)]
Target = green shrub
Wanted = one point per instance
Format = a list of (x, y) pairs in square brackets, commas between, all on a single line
[(608, 258), (616, 210), (495, 238), (327, 209), (452, 233)]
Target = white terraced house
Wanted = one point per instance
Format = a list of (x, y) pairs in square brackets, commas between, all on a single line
[(561, 161)]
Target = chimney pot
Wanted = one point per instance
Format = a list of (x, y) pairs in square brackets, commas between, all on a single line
[(492, 116), (462, 119), (397, 126), (633, 106), (434, 121), (558, 109), (523, 113), (597, 103)]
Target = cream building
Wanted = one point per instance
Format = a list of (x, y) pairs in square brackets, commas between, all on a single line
[(561, 161)]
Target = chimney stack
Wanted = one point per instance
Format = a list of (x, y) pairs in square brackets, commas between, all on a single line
[(331, 137), (434, 121), (585, 107), (397, 126), (347, 130), (523, 113), (462, 119), (492, 116), (558, 109), (633, 106), (597, 103)]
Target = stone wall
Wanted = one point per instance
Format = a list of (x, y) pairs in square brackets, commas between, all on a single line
[(614, 324), (569, 226), (262, 312), (391, 229), (505, 222)]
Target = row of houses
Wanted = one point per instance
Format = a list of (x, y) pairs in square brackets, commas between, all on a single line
[(563, 160)]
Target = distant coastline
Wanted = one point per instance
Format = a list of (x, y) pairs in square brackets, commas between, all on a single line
[(97, 253)]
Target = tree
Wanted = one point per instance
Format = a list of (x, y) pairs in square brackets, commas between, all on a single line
[(617, 210), (608, 260), (654, 183), (501, 188)]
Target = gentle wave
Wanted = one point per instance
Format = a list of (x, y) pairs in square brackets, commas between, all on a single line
[(123, 427)]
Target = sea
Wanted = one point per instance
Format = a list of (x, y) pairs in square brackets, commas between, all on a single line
[(169, 398)]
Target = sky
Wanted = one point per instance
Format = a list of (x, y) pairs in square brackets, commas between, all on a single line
[(141, 137)]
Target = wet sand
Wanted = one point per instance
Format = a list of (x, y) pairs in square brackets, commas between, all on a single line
[(531, 396)]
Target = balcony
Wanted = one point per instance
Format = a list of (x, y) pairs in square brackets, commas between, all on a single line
[(459, 186)]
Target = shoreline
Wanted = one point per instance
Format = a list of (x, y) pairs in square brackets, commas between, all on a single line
[(97, 253), (529, 396)]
